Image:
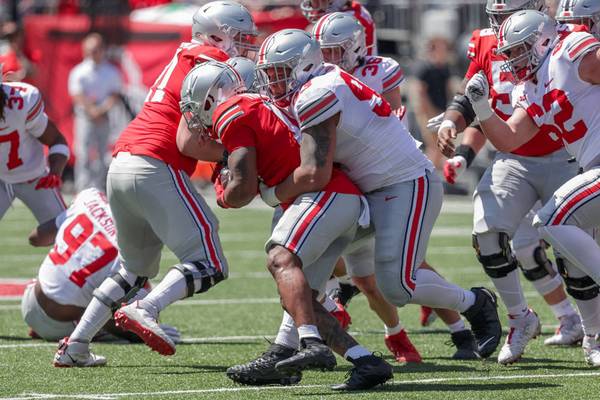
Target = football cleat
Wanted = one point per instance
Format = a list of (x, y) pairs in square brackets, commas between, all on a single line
[(261, 370), (368, 372), (466, 346), (342, 315), (591, 350), (569, 333), (521, 332), (314, 354), (427, 316), (402, 348), (133, 318), (76, 354), (485, 324)]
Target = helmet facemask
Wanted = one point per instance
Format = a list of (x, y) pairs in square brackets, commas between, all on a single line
[(233, 42), (525, 63), (277, 80), (341, 55)]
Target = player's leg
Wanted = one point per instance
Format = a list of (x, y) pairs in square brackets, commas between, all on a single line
[(7, 195), (45, 204)]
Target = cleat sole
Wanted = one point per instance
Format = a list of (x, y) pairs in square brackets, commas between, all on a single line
[(155, 342)]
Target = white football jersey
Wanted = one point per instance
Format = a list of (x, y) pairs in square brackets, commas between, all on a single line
[(382, 74), (21, 154), (84, 253), (372, 145), (561, 103)]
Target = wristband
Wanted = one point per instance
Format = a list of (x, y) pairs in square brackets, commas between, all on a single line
[(483, 109), (467, 152), (447, 124), (268, 195), (59, 149)]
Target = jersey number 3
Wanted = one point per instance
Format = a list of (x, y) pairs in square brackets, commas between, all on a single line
[(74, 239)]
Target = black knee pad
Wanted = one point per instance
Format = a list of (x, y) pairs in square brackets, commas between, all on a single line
[(500, 264), (543, 269), (129, 290), (192, 271), (582, 288)]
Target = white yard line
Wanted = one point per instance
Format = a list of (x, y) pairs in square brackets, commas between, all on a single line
[(111, 396)]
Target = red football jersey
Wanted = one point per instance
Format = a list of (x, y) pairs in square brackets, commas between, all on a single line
[(250, 120), (482, 53), (153, 132)]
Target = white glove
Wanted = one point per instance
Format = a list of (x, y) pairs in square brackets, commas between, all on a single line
[(172, 332), (478, 92), (454, 167), (434, 123), (268, 195)]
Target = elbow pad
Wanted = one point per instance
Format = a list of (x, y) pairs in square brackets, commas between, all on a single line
[(461, 103)]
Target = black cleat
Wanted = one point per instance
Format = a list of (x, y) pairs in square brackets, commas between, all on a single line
[(346, 293), (261, 371), (368, 372), (485, 324), (466, 346), (313, 355)]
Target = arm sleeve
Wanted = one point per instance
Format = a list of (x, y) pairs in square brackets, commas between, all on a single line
[(393, 75), (36, 119), (578, 44), (315, 105)]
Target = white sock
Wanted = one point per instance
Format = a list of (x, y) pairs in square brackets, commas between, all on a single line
[(577, 246), (457, 326), (562, 309), (171, 288), (510, 291), (547, 284), (393, 330), (329, 304), (308, 331), (288, 333), (96, 315), (356, 352), (434, 291), (590, 315)]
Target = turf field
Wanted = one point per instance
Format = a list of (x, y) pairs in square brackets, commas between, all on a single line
[(228, 325)]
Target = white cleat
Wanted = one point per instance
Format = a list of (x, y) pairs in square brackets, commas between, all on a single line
[(139, 321), (520, 334), (591, 350), (76, 354), (569, 333)]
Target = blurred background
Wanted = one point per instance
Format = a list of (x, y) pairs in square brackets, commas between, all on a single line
[(41, 43)]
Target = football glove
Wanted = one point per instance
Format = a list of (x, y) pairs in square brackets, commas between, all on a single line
[(478, 92), (219, 184), (433, 124), (49, 181), (453, 168)]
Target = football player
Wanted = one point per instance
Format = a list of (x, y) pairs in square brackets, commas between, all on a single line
[(83, 255), (508, 190), (153, 201), (557, 95), (342, 41), (382, 158), (25, 173), (307, 237)]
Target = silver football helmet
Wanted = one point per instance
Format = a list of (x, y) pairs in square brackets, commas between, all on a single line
[(342, 40), (226, 25), (499, 10), (205, 87), (287, 60), (315, 9), (246, 68), (581, 12), (525, 39)]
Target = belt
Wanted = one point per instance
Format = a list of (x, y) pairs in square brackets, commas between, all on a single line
[(57, 311)]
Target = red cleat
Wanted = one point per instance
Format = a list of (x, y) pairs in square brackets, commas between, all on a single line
[(427, 316), (402, 348), (342, 316)]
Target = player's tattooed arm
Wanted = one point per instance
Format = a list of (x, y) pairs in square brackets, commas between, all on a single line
[(331, 331), (242, 185), (316, 160)]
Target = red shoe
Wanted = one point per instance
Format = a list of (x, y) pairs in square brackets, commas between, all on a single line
[(402, 348), (342, 316), (427, 316)]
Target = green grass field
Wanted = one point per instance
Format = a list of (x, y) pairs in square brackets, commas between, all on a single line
[(228, 324)]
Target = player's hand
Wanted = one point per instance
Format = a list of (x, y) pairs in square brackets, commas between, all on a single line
[(433, 124), (400, 112), (220, 184), (172, 332), (478, 89), (49, 181), (446, 135), (453, 168), (267, 193)]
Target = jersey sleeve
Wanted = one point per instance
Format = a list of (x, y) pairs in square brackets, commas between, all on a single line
[(393, 75), (315, 105), (578, 44), (474, 65), (36, 119), (232, 127)]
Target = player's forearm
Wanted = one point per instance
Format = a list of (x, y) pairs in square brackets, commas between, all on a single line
[(237, 194), (500, 134), (303, 180), (474, 138), (57, 163), (457, 118)]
